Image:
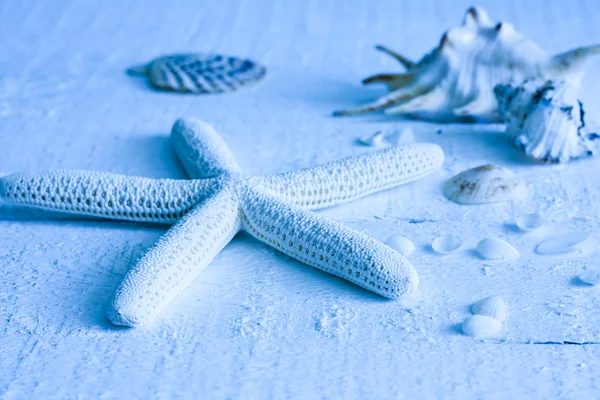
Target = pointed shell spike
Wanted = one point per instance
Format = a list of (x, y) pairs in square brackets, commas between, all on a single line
[(492, 306), (139, 70), (393, 81), (573, 59), (476, 17), (408, 64)]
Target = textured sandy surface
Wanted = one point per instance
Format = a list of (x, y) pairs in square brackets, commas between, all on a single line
[(256, 324)]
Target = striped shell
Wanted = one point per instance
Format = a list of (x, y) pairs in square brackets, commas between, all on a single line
[(492, 306), (201, 73), (497, 249)]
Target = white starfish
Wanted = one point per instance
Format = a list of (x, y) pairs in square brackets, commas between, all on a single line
[(220, 201)]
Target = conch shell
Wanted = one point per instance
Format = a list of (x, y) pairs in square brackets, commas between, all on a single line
[(546, 119), (455, 81)]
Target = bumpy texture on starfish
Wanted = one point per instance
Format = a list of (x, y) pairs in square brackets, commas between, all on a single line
[(220, 200)]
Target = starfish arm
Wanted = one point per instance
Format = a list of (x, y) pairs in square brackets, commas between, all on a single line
[(201, 149), (181, 254), (353, 177), (328, 246), (106, 195)]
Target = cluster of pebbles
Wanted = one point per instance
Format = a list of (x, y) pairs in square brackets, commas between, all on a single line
[(494, 248), (494, 184)]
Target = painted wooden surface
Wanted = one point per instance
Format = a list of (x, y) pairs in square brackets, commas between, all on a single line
[(256, 324)]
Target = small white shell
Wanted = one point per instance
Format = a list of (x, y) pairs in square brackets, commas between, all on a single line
[(201, 73), (375, 140), (591, 277), (497, 249), (561, 244), (492, 306), (530, 222), (401, 244), (406, 136), (485, 184), (446, 244), (481, 326)]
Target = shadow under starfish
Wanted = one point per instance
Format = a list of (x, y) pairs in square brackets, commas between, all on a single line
[(220, 200)]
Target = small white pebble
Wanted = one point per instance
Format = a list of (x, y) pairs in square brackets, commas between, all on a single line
[(446, 244), (375, 140), (481, 326), (591, 277), (401, 244), (406, 136), (530, 222), (563, 243)]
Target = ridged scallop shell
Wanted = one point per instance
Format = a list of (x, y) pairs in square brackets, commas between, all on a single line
[(497, 249), (201, 73), (485, 184), (446, 244), (530, 222), (547, 121), (562, 244), (492, 306), (401, 244), (481, 326), (455, 81)]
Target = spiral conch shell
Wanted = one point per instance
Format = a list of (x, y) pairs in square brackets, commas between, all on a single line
[(455, 81), (546, 119)]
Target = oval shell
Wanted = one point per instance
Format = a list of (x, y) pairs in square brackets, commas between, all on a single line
[(496, 249), (492, 306), (401, 244), (446, 244), (562, 244), (591, 277), (201, 73), (485, 184), (530, 222), (481, 326)]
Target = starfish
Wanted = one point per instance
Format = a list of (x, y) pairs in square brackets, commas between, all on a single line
[(220, 200)]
